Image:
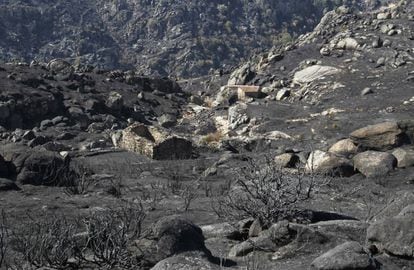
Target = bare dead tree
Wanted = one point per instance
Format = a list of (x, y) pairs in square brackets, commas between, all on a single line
[(108, 234), (153, 194), (49, 242), (189, 193), (77, 180), (116, 188), (264, 192), (101, 238)]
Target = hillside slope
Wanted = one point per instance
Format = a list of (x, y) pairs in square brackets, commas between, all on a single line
[(180, 38)]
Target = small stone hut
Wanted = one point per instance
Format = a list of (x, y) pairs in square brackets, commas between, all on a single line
[(155, 143), (245, 91)]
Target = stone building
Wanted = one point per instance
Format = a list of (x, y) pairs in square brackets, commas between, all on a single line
[(246, 91), (155, 143)]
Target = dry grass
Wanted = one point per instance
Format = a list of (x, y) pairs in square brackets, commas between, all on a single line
[(209, 101), (78, 180), (213, 138)]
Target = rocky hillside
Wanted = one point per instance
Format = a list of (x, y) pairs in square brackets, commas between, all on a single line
[(178, 38), (309, 166), (354, 69)]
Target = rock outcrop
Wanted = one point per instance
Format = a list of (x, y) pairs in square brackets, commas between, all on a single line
[(394, 235), (405, 157), (383, 136), (328, 163), (175, 240), (374, 164), (313, 73), (344, 147), (348, 256)]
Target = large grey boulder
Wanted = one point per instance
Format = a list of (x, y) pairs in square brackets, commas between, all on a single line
[(237, 115), (60, 66), (277, 235), (171, 236), (280, 236), (352, 230), (394, 235), (226, 96), (175, 235), (286, 160), (347, 44), (37, 166), (328, 163), (374, 163), (395, 205), (383, 136), (242, 75), (348, 256), (404, 156), (314, 73), (344, 147)]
